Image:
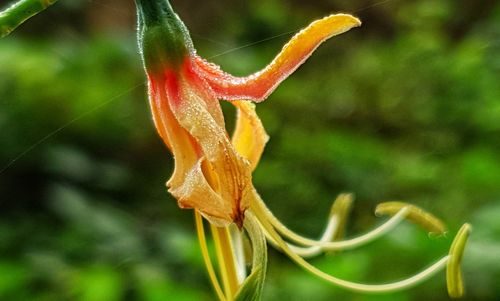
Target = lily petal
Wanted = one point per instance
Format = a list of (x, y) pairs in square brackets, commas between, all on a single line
[(228, 174), (195, 192), (258, 86), (183, 147), (249, 137)]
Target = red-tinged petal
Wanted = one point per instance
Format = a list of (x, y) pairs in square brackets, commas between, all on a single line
[(258, 86), (192, 183), (197, 110), (249, 136), (184, 148), (153, 100), (202, 89)]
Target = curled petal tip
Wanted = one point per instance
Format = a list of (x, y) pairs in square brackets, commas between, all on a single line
[(348, 19), (332, 25), (453, 271)]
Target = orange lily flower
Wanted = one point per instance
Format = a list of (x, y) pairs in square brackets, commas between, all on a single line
[(213, 172)]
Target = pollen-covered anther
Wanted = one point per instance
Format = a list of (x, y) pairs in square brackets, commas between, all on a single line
[(454, 278), (415, 214), (341, 208), (276, 238), (260, 209)]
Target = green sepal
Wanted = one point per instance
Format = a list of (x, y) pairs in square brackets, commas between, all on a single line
[(164, 40), (251, 289)]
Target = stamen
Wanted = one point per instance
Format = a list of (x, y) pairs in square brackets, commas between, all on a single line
[(308, 252), (336, 223), (367, 288), (416, 215), (453, 271), (206, 256), (239, 254), (225, 253), (341, 208), (263, 213)]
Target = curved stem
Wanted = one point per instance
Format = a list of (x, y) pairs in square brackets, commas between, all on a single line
[(19, 12)]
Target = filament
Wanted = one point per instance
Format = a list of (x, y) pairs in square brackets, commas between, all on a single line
[(368, 288), (261, 209), (206, 256), (225, 259), (239, 254), (453, 271)]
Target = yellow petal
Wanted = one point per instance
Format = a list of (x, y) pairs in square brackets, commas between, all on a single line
[(249, 137), (225, 171), (195, 192)]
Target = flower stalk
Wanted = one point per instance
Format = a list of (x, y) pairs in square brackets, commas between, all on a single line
[(19, 12)]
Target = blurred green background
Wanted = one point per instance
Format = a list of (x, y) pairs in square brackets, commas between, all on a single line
[(407, 107)]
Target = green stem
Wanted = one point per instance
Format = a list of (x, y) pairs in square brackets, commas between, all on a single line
[(19, 12)]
